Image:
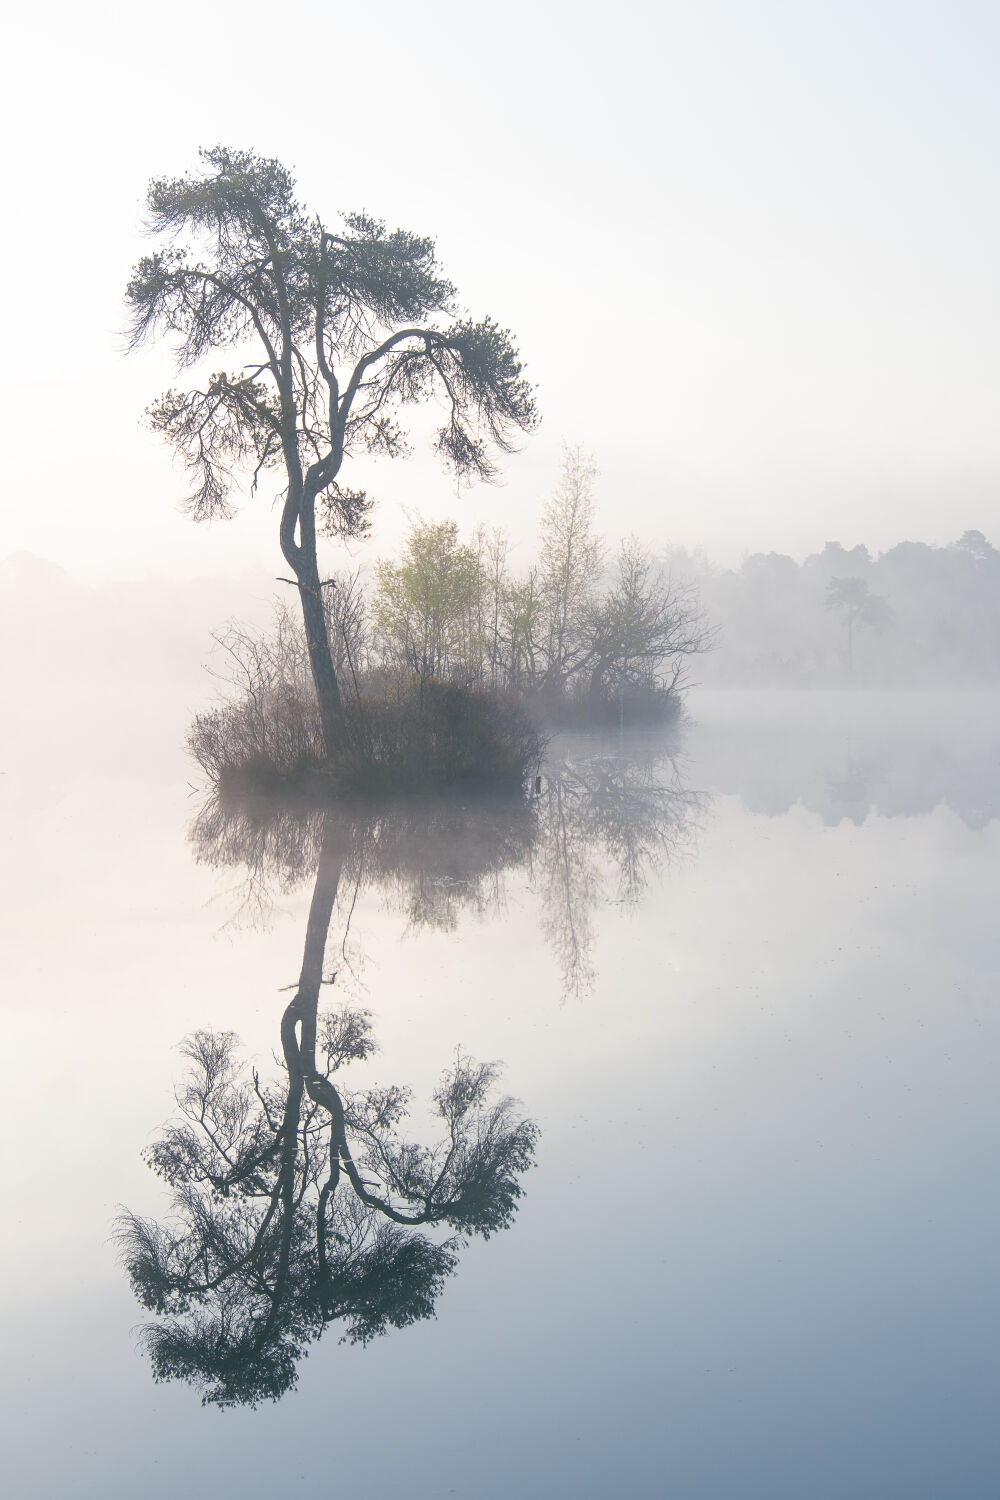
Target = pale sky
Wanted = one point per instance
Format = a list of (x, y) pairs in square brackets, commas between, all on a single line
[(749, 252)]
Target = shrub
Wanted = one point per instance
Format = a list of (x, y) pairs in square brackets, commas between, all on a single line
[(438, 735), (398, 736), (259, 743)]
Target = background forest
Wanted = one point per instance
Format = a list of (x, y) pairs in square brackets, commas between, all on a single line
[(913, 616)]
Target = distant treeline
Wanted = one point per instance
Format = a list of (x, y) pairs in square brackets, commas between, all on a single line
[(915, 615)]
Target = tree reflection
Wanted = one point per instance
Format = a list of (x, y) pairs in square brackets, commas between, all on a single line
[(298, 1204), (604, 817), (600, 825), (431, 858)]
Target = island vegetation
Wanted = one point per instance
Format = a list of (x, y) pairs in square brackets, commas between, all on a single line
[(451, 660), (439, 671)]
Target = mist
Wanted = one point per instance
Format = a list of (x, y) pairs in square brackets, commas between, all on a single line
[(500, 638), (914, 616)]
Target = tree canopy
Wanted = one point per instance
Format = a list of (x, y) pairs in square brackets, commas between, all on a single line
[(337, 332), (854, 601)]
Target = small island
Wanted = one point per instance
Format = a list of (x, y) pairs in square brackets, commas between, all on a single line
[(448, 672)]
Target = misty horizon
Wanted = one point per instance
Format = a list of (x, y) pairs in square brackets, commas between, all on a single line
[(500, 770)]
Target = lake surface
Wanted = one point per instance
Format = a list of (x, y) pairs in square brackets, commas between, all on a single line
[(743, 983)]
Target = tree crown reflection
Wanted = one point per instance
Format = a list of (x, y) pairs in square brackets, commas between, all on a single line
[(298, 1202), (303, 1202)]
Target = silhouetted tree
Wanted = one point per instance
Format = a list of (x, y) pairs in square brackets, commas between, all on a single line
[(569, 567), (643, 630), (300, 1204), (336, 338), (976, 545), (854, 601), (945, 614)]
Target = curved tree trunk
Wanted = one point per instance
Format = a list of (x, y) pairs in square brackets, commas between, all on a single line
[(331, 708), (301, 1056), (300, 554), (595, 690)]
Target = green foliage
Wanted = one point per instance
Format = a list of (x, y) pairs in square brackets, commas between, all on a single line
[(424, 608), (566, 636)]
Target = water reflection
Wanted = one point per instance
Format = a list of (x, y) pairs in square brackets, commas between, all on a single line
[(607, 824), (847, 760), (431, 859), (299, 1204), (601, 824)]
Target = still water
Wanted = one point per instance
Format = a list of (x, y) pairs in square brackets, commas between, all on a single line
[(743, 990)]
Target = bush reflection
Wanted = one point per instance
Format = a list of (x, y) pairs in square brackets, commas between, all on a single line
[(600, 824), (298, 1202)]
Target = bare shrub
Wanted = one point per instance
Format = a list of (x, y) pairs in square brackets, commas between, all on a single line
[(259, 744), (396, 736), (430, 734)]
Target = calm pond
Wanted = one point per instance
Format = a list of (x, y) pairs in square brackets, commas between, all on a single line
[(743, 986)]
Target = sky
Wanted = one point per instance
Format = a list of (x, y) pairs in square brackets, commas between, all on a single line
[(748, 252)]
